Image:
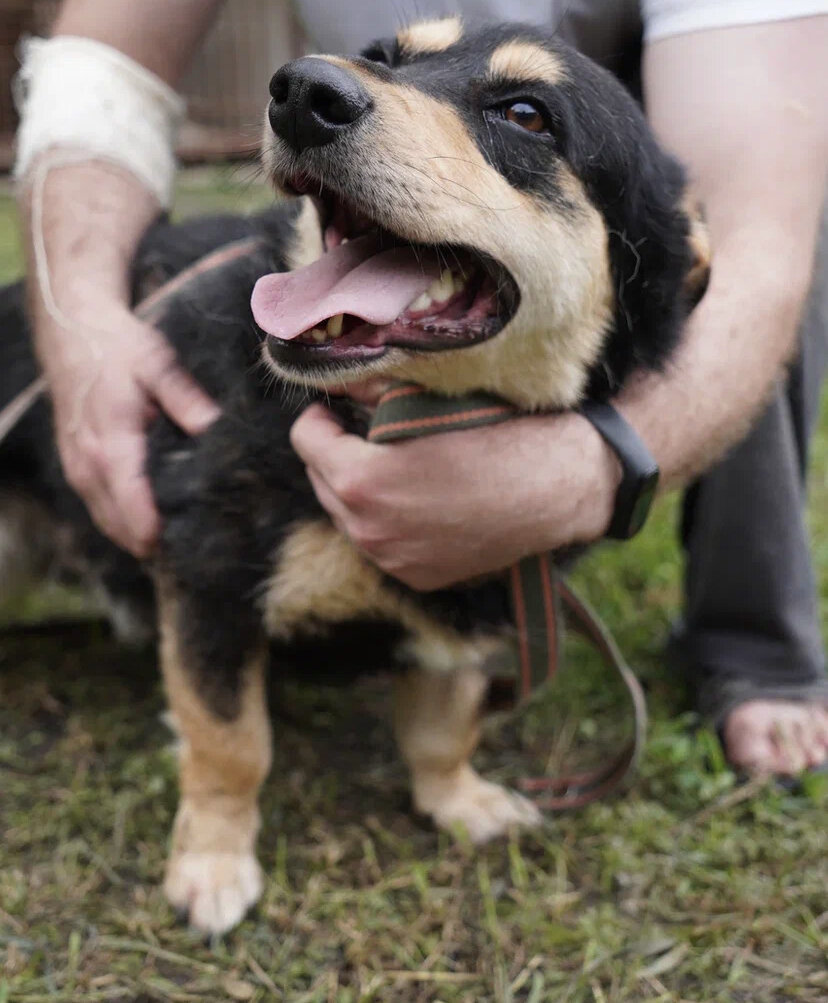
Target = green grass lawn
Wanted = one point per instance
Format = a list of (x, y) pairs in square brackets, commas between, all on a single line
[(688, 887)]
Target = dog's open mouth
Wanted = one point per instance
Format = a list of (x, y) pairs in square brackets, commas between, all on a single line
[(373, 290)]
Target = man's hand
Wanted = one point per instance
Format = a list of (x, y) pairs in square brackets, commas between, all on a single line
[(108, 372), (449, 507), (104, 391)]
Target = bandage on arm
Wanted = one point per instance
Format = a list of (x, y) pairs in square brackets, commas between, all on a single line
[(95, 159), (81, 100), (102, 85)]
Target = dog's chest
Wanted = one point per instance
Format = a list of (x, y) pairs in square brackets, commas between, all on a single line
[(320, 581)]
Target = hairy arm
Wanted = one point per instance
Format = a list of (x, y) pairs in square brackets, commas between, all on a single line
[(106, 370), (745, 109), (155, 33)]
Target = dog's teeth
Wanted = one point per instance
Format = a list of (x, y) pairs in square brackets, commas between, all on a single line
[(318, 334), (459, 281), (335, 325), (446, 286), (437, 290), (441, 289), (422, 302)]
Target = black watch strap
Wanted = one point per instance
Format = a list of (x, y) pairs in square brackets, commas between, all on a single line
[(640, 471)]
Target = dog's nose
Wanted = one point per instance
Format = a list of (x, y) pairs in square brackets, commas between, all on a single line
[(314, 101)]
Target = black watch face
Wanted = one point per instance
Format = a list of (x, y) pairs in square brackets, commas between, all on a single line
[(643, 503)]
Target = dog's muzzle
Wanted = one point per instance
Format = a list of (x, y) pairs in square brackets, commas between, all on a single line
[(314, 101)]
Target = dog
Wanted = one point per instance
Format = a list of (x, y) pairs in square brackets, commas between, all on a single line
[(467, 210)]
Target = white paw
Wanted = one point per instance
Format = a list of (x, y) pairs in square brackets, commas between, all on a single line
[(484, 809), (215, 890)]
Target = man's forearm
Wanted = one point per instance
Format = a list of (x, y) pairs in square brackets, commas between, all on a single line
[(745, 109), (160, 35), (83, 219), (82, 223), (734, 349)]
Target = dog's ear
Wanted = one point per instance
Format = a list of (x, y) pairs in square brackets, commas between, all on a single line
[(698, 276), (385, 51)]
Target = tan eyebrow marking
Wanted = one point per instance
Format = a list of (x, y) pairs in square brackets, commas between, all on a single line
[(525, 61), (430, 36)]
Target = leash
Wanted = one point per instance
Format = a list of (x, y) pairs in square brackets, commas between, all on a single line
[(538, 592), (20, 406)]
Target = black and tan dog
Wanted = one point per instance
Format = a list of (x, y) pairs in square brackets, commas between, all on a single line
[(488, 210)]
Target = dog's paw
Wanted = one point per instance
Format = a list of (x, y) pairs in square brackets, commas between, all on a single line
[(213, 890), (484, 809)]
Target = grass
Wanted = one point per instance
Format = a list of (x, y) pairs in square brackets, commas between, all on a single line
[(689, 887)]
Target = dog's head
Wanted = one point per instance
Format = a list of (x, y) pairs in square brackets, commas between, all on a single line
[(493, 213)]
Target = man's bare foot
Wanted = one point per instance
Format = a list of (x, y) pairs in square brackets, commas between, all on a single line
[(779, 737)]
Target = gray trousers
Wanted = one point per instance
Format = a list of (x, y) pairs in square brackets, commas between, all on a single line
[(751, 626)]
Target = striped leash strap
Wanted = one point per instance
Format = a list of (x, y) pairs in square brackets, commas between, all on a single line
[(406, 411), (19, 406)]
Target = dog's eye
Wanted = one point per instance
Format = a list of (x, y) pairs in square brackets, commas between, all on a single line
[(527, 116)]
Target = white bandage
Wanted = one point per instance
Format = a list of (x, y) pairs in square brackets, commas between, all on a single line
[(92, 102)]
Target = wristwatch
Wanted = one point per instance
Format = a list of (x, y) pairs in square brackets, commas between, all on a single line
[(639, 480)]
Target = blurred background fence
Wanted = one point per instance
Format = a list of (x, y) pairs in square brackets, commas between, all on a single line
[(226, 87)]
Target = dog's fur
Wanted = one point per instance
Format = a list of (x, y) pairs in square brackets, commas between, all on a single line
[(588, 220)]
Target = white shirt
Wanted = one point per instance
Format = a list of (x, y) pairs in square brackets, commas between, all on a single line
[(677, 17)]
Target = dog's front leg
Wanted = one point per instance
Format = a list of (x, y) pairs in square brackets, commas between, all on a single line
[(437, 723), (224, 731)]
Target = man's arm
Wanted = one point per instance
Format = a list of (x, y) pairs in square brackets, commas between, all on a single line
[(106, 370), (745, 108), (160, 35)]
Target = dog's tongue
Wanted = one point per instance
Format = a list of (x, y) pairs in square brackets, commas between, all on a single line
[(355, 278)]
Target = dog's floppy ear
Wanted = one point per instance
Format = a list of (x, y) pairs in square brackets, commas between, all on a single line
[(698, 276), (384, 50)]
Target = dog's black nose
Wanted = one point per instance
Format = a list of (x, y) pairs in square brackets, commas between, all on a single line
[(314, 101)]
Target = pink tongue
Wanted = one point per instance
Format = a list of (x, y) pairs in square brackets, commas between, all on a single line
[(352, 278)]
